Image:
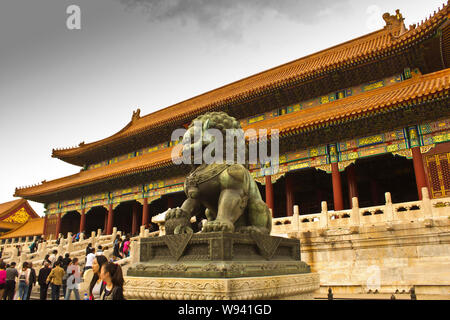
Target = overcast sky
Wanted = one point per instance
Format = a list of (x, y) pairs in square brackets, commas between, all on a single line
[(59, 87)]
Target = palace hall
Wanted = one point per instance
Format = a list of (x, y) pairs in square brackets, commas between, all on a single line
[(359, 119)]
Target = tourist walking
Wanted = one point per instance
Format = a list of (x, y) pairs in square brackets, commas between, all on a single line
[(10, 283), (117, 255), (42, 280), (56, 278), (2, 279), (24, 280), (52, 258), (111, 274), (126, 247), (89, 259), (33, 246), (97, 285), (73, 280), (32, 280), (99, 251), (64, 264), (46, 259)]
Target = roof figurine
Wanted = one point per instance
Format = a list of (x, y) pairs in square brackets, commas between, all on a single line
[(136, 115), (395, 23)]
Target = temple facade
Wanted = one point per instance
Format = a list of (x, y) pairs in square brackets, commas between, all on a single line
[(360, 119), (13, 216)]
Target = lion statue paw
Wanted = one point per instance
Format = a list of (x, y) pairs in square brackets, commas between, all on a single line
[(218, 225)]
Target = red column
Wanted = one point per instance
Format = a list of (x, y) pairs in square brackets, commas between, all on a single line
[(269, 194), (82, 220), (289, 196), (145, 212), (351, 181), (110, 220), (58, 225), (419, 170), (44, 232), (337, 187), (105, 224), (134, 223)]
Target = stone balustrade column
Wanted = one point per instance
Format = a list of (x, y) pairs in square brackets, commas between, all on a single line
[(388, 207), (141, 231), (296, 218), (324, 215), (69, 242), (355, 212), (114, 233)]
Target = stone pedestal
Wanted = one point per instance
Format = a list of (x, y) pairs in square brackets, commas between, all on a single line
[(220, 266)]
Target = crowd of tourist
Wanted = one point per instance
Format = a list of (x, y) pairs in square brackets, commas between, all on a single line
[(63, 273)]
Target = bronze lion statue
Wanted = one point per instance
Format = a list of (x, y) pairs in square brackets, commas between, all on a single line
[(227, 190)]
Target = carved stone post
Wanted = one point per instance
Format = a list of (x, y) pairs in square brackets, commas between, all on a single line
[(69, 242), (296, 219), (141, 231), (355, 212), (388, 207), (324, 215), (114, 233)]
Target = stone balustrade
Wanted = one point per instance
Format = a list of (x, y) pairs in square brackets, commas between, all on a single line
[(369, 216)]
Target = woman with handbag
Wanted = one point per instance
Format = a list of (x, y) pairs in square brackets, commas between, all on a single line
[(24, 277)]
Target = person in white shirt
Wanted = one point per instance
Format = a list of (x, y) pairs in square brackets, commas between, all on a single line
[(99, 251), (89, 259), (52, 258), (73, 281)]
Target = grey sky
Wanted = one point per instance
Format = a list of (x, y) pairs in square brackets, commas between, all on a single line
[(59, 87)]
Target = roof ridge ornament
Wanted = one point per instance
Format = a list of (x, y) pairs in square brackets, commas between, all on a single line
[(136, 115), (395, 23)]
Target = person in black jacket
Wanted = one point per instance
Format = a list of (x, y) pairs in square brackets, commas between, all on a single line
[(64, 264), (111, 274), (42, 280), (32, 279)]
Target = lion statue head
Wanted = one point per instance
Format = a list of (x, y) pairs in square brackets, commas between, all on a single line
[(214, 132)]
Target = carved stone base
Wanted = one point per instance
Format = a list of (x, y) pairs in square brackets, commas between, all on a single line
[(286, 287), (218, 255)]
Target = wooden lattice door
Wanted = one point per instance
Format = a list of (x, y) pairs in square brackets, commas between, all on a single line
[(439, 174)]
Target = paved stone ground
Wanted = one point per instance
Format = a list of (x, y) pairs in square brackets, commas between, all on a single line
[(382, 296)]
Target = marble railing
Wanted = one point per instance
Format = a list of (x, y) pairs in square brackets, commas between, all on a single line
[(356, 217)]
